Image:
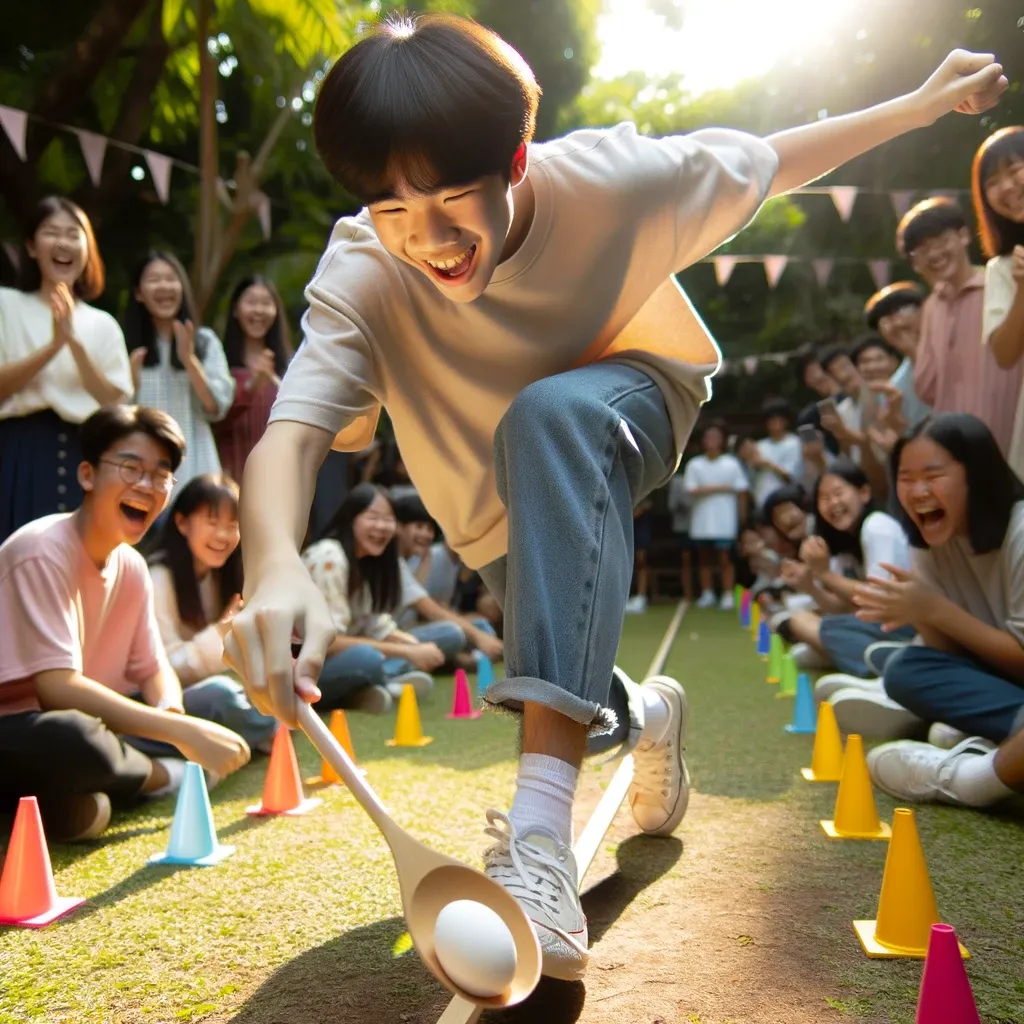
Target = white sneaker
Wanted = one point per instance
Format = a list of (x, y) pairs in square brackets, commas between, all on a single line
[(636, 605), (836, 681), (727, 604), (920, 772), (872, 715), (660, 790), (945, 736), (421, 682), (541, 874), (877, 654), (374, 700), (809, 658), (707, 599)]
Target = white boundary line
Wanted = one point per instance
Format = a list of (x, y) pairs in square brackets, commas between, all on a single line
[(462, 1011)]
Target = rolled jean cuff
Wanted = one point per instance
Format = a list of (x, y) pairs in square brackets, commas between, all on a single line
[(509, 695)]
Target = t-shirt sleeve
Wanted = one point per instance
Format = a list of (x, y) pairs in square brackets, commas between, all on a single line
[(147, 649), (219, 378), (412, 589), (111, 355), (882, 540), (1000, 291), (691, 476)]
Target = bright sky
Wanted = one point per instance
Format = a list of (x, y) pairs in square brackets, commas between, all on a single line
[(722, 41)]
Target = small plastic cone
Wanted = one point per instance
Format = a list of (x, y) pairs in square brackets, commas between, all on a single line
[(484, 675), (946, 996), (787, 677), (803, 709), (28, 896), (764, 640), (755, 620), (282, 790), (737, 599), (906, 906), (193, 835), (855, 816), (746, 603), (776, 652), (827, 757), (339, 730), (461, 705), (408, 731)]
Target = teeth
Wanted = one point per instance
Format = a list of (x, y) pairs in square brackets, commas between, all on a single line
[(449, 264), (138, 506)]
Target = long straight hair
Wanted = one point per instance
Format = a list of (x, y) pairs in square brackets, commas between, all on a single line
[(91, 281), (278, 338), (212, 492), (844, 542), (379, 572)]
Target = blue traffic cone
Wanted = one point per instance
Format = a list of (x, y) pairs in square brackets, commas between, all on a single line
[(484, 674), (193, 836), (745, 604), (804, 715), (764, 639)]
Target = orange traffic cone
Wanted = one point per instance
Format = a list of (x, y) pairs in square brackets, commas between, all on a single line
[(28, 896), (855, 816), (339, 730), (282, 790), (906, 906), (408, 731), (827, 758)]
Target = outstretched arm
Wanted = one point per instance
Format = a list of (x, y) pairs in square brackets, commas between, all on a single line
[(968, 82)]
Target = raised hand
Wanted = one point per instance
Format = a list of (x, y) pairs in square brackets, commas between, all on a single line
[(185, 340), (893, 602), (62, 306), (969, 83)]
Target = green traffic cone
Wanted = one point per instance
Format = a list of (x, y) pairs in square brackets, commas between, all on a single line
[(787, 681), (775, 655)]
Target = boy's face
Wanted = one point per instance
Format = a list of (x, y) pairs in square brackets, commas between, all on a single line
[(128, 488), (776, 426), (414, 539), (712, 441), (844, 373), (902, 329), (942, 258), (818, 380), (875, 364), (456, 236)]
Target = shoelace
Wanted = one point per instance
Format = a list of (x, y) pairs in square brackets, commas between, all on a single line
[(528, 872), (929, 775), (653, 771)]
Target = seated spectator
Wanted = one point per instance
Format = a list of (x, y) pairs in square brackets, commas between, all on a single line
[(680, 505), (963, 509), (82, 669), (718, 488), (779, 457), (814, 378), (197, 585), (357, 568), (416, 532), (842, 415)]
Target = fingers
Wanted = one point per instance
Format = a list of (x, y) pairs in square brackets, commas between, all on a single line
[(965, 62), (896, 572), (318, 634), (274, 628), (244, 650)]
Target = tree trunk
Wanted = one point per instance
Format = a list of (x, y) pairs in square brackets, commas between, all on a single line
[(209, 223)]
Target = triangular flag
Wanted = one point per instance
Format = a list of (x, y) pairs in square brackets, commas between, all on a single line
[(881, 271), (93, 149), (773, 268), (822, 269), (13, 254), (750, 365), (723, 269), (263, 212), (901, 200), (15, 123), (844, 196), (160, 170)]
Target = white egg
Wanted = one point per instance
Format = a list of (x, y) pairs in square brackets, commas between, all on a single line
[(475, 948)]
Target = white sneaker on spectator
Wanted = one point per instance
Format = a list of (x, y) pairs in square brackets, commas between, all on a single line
[(707, 599), (836, 681), (421, 682), (636, 604), (72, 819), (374, 700), (809, 658), (872, 715), (945, 737), (877, 654), (727, 604), (920, 772), (541, 874)]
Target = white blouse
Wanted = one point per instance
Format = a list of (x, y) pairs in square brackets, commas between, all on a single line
[(1000, 293)]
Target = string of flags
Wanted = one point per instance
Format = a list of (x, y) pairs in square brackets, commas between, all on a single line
[(750, 365), (822, 266)]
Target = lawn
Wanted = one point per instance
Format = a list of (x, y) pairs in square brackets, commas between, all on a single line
[(747, 919)]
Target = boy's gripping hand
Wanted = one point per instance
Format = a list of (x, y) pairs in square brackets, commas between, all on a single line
[(284, 603), (970, 83)]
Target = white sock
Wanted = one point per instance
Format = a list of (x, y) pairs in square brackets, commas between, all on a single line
[(545, 787), (974, 781), (656, 715), (175, 769)]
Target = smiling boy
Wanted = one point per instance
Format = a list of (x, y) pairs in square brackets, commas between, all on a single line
[(512, 305)]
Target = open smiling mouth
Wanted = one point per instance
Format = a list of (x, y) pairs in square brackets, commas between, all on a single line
[(931, 517), (133, 512), (455, 269)]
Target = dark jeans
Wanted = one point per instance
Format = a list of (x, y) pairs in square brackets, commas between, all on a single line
[(959, 691), (846, 638)]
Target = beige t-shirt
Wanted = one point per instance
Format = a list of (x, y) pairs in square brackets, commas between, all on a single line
[(616, 214), (1000, 291), (26, 326)]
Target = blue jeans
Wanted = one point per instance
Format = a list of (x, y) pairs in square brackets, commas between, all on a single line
[(574, 454), (959, 691), (846, 638)]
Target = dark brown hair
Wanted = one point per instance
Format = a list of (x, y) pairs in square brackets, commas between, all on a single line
[(112, 423), (91, 281), (278, 338), (928, 219), (998, 234)]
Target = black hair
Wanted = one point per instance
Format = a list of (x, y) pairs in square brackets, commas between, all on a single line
[(212, 492), (430, 101), (777, 407), (278, 338), (928, 219), (872, 340), (891, 299), (827, 356), (379, 572), (788, 494), (844, 542), (137, 323), (91, 281), (715, 424), (409, 508), (992, 486), (998, 234), (112, 423)]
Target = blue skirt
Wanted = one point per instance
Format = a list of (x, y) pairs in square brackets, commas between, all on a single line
[(39, 457)]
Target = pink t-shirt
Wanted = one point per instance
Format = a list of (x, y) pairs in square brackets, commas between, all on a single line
[(58, 610)]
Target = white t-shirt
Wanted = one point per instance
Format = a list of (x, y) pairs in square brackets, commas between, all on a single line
[(715, 516), (26, 326), (882, 540), (788, 454), (1000, 292), (616, 215)]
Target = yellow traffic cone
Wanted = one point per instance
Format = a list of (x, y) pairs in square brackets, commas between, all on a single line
[(755, 620), (906, 906), (339, 730), (827, 759), (408, 731), (855, 816)]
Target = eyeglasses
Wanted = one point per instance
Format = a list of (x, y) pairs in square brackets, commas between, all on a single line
[(133, 471), (934, 245)]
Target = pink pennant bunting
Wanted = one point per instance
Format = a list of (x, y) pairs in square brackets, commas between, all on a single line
[(822, 269), (13, 254), (724, 266), (881, 271), (773, 268), (902, 199), (14, 124), (844, 196), (263, 212), (94, 147), (160, 171)]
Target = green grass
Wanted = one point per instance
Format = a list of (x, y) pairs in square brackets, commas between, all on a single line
[(309, 906)]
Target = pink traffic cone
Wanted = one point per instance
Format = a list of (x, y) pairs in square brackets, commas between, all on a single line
[(946, 996), (461, 706)]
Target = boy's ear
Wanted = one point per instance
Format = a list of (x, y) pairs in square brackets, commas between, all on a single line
[(519, 162), (86, 476)]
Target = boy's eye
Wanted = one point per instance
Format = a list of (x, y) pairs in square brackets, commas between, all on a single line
[(460, 195)]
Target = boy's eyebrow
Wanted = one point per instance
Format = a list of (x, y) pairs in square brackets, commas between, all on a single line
[(398, 197)]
